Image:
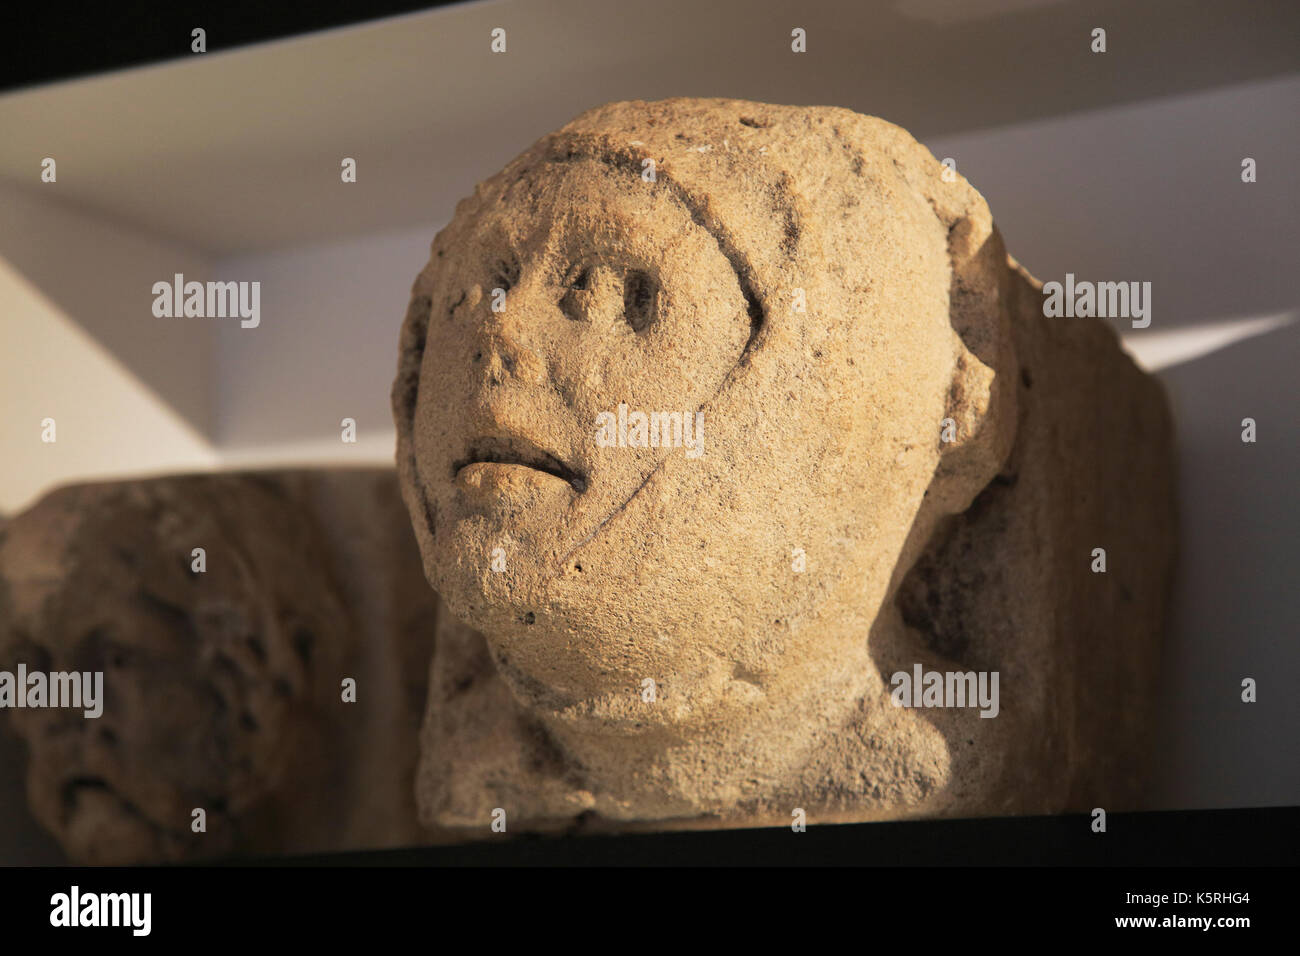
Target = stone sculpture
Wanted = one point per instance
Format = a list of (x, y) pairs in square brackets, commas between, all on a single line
[(224, 667), (716, 417)]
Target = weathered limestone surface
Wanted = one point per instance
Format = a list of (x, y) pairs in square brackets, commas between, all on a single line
[(222, 688), (807, 281)]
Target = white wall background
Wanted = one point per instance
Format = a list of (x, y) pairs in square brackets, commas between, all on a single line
[(75, 332), (327, 350)]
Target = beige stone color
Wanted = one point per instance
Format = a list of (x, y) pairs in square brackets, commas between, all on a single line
[(809, 283)]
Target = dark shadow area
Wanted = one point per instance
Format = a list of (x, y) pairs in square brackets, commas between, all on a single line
[(22, 842), (53, 46)]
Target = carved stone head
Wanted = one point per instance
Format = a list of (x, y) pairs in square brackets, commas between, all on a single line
[(684, 393), (671, 258), (212, 677)]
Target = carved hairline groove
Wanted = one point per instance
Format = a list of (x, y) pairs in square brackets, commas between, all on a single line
[(563, 150), (569, 148)]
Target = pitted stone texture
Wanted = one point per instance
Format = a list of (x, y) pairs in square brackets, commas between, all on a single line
[(807, 281)]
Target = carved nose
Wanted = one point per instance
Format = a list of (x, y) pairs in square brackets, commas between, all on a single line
[(512, 351), (508, 361)]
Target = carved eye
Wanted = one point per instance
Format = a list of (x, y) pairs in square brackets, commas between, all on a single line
[(640, 292), (598, 288), (99, 648), (451, 309), (26, 651), (577, 294), (505, 274)]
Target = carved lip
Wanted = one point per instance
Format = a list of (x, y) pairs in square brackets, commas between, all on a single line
[(515, 450), (77, 784)]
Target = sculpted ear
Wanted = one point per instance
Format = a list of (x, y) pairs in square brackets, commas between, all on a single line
[(982, 397)]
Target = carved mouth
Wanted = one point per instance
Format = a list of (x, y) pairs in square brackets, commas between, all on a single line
[(73, 788), (522, 452)]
